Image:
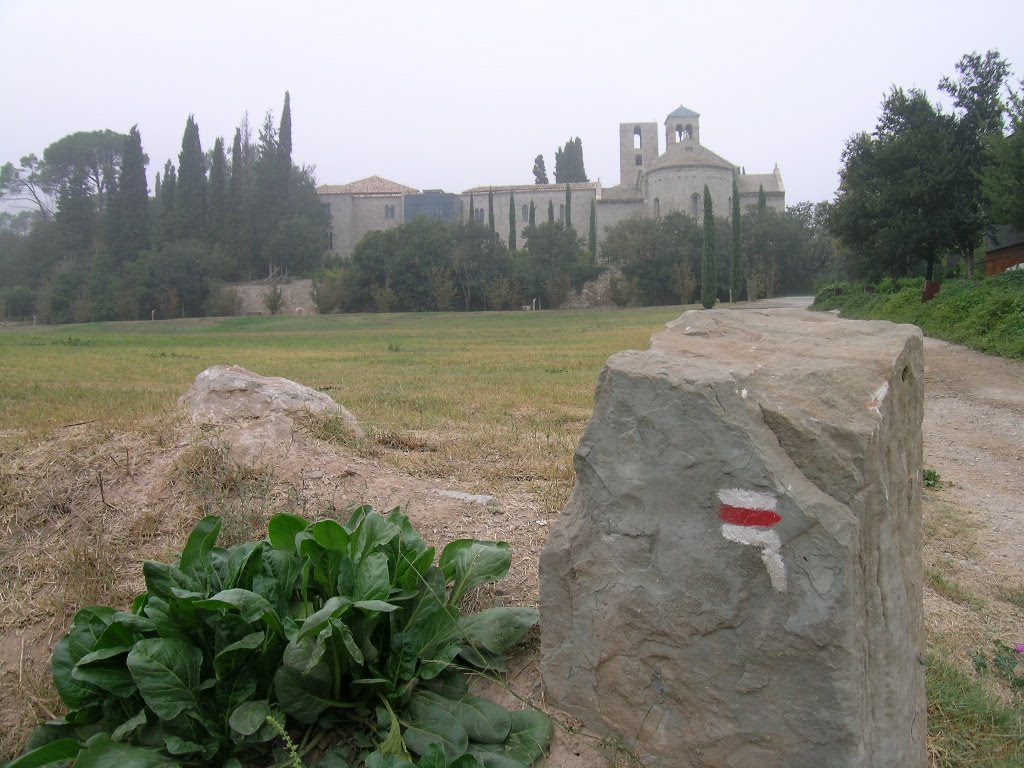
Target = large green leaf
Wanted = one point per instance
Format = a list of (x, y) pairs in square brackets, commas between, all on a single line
[(368, 531), (330, 535), (162, 579), (251, 607), (88, 626), (484, 721), (55, 753), (467, 563), (529, 736), (494, 759), (106, 670), (334, 608), (195, 557), (238, 652), (427, 723), (372, 579), (282, 529), (103, 752), (167, 673), (129, 726), (305, 697), (498, 629), (248, 718)]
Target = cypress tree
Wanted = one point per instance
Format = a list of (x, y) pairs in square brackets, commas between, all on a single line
[(490, 209), (134, 234), (76, 212), (234, 208), (472, 209), (592, 237), (111, 210), (551, 212), (190, 202), (284, 145), (168, 195), (533, 214), (762, 199), (736, 263), (709, 262), (540, 173), (156, 188), (218, 191), (511, 220), (568, 206)]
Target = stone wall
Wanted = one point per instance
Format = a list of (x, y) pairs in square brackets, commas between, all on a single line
[(298, 297), (736, 581)]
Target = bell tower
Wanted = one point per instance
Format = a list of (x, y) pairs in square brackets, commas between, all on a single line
[(681, 126), (638, 148)]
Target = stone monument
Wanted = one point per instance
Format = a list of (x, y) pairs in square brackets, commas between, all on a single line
[(737, 578)]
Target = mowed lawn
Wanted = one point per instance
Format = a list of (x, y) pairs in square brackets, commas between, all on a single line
[(490, 393)]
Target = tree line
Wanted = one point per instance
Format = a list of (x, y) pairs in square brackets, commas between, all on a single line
[(569, 168), (922, 189), (95, 245), (433, 265)]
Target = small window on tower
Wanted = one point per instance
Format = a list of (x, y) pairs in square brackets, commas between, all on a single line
[(639, 159), (695, 205), (637, 139)]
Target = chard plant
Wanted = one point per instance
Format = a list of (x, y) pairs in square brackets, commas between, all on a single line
[(320, 628)]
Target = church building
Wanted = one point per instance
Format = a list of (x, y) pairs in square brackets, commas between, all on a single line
[(651, 184)]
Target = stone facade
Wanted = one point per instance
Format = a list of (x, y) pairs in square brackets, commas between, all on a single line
[(651, 184), (297, 295)]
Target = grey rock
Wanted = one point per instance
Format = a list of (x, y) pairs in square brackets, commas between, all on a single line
[(710, 643), (256, 414)]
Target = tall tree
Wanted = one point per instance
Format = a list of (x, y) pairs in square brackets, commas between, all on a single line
[(32, 182), (540, 173), (1003, 179), (511, 220), (472, 208), (90, 153), (762, 198), (168, 200), (490, 209), (709, 262), (533, 215), (568, 205), (218, 192), (977, 96), (551, 212), (592, 236), (736, 262), (190, 196), (133, 236), (284, 145), (76, 212), (569, 163)]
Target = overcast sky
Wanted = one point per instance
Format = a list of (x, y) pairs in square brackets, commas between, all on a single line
[(457, 94)]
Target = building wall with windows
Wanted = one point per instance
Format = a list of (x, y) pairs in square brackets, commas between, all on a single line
[(652, 183)]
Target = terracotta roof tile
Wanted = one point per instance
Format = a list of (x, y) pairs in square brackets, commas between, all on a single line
[(372, 185)]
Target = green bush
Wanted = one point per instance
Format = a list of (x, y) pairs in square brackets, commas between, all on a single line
[(320, 627)]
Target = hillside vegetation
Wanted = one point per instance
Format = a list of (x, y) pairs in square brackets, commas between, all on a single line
[(987, 314)]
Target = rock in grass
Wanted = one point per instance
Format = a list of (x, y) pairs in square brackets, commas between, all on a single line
[(737, 578), (256, 413)]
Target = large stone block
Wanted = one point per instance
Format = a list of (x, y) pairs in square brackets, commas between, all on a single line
[(737, 580)]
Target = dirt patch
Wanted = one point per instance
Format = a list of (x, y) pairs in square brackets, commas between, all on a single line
[(81, 510)]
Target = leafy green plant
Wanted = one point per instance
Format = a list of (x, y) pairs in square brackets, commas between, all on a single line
[(1004, 661), (932, 479), (320, 627)]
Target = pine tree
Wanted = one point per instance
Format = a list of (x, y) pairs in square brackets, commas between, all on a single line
[(736, 263), (234, 207), (76, 212), (709, 263), (134, 232), (490, 209), (190, 196), (592, 237), (218, 191), (551, 212), (533, 214), (111, 210), (540, 173), (511, 220), (568, 206)]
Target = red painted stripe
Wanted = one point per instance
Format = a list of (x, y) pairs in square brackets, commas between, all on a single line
[(755, 518)]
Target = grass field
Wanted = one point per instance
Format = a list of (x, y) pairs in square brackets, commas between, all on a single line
[(496, 395)]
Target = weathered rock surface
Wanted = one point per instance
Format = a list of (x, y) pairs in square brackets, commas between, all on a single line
[(737, 579), (256, 414)]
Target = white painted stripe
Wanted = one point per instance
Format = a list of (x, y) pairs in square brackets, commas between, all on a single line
[(736, 497), (770, 545)]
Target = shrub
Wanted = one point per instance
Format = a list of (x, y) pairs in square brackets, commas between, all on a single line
[(323, 626)]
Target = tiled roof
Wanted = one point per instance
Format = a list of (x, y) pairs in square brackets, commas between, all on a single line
[(752, 182), (372, 185), (506, 188), (689, 154), (683, 112)]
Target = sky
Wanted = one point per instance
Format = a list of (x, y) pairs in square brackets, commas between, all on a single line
[(452, 95)]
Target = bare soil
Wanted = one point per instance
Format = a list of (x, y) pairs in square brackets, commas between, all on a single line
[(82, 509)]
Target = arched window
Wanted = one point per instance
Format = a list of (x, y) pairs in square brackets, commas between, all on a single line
[(526, 212), (679, 133), (688, 131), (695, 205), (639, 159), (637, 139), (657, 208), (561, 212)]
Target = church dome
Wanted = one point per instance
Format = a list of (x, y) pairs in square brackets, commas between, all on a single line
[(689, 154)]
